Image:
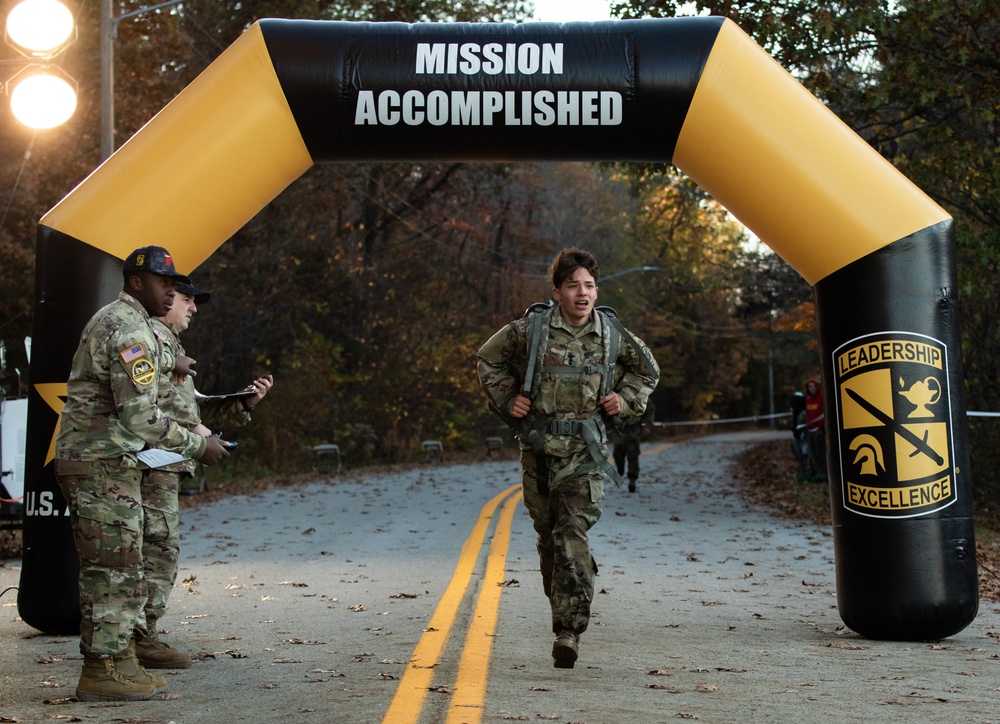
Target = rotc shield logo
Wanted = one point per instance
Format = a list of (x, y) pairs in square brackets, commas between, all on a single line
[(894, 423)]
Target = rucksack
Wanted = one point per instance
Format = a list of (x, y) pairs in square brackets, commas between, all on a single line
[(614, 331)]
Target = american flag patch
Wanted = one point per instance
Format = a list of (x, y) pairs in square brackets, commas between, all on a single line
[(133, 353)]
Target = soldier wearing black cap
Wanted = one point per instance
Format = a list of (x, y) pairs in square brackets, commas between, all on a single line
[(111, 414), (161, 487)]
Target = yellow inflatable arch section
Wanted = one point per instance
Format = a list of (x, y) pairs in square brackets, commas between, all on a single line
[(697, 92)]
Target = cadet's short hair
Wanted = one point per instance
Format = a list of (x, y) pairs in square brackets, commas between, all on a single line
[(568, 261)]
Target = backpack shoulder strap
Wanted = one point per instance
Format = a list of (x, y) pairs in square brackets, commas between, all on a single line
[(535, 314), (612, 344), (611, 315)]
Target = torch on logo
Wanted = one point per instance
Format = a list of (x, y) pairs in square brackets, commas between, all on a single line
[(894, 423)]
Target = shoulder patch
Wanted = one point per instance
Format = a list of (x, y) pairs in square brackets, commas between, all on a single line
[(143, 372), (160, 335), (133, 353)]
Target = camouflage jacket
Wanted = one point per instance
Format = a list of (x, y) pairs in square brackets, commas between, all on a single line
[(503, 362), (178, 399), (111, 406)]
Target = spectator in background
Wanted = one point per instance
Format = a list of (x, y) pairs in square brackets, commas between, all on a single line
[(800, 448), (816, 432)]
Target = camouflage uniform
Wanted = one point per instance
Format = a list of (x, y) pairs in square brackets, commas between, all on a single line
[(565, 502), (161, 487), (111, 414)]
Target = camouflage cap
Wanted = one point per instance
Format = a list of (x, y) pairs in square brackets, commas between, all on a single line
[(154, 259), (200, 295)]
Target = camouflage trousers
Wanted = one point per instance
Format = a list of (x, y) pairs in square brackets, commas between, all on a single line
[(562, 517), (106, 515), (161, 538)]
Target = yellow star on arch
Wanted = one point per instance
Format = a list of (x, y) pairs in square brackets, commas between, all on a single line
[(54, 394)]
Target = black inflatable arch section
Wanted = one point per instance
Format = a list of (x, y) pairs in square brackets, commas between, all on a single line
[(697, 92)]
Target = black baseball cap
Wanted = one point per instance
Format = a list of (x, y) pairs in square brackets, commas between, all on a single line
[(200, 295), (153, 259)]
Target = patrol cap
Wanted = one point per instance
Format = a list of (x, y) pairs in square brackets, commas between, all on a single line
[(153, 259), (200, 295)]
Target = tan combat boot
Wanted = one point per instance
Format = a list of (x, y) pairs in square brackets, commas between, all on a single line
[(565, 649), (127, 663), (101, 680), (155, 654)]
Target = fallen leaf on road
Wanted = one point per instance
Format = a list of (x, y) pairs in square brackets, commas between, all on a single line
[(60, 701)]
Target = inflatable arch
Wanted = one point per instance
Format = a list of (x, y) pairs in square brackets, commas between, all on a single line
[(697, 92)]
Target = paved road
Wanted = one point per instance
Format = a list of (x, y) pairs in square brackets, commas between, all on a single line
[(306, 605)]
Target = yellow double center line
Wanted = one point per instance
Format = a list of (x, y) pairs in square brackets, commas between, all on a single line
[(470, 683)]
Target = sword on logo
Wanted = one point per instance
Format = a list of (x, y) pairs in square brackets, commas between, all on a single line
[(918, 443)]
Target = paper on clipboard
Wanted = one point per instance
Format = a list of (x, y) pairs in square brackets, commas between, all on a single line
[(160, 458)]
